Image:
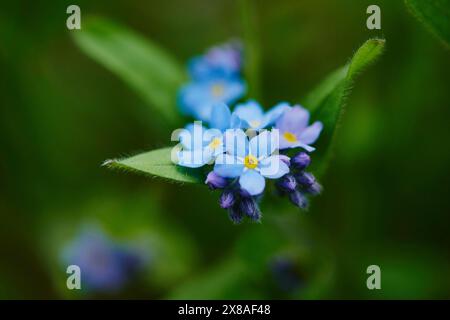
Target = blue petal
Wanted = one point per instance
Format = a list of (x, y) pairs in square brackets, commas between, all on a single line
[(228, 166), (198, 68), (236, 142), (311, 133), (273, 167), (250, 111), (234, 89), (284, 144), (193, 159), (191, 137), (294, 120), (220, 116), (238, 123), (252, 182), (194, 100), (274, 114), (263, 145)]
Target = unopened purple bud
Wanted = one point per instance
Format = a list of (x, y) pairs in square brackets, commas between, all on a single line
[(287, 183), (314, 189), (301, 160), (285, 159), (227, 199), (298, 199), (249, 207), (235, 215), (214, 181), (305, 179)]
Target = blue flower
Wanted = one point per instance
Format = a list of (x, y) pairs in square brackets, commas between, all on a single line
[(198, 98), (220, 61), (200, 145), (254, 116), (104, 265), (252, 161), (285, 273), (294, 129)]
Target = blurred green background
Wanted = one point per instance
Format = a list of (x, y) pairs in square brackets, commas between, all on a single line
[(386, 192)]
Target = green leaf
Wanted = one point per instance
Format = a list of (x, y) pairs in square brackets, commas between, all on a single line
[(434, 14), (145, 67), (327, 101), (157, 163)]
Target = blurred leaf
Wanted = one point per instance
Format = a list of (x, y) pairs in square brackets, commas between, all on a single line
[(434, 14), (327, 101), (157, 163), (145, 67)]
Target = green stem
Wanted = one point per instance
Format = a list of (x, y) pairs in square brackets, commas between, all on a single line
[(252, 52)]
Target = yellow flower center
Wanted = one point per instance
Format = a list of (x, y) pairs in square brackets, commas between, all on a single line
[(290, 137), (215, 143), (217, 90), (255, 123), (250, 162)]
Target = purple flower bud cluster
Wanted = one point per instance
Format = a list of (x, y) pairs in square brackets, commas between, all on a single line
[(235, 200), (299, 183), (239, 204)]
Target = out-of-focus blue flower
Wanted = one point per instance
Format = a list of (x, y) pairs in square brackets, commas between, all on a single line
[(198, 97), (285, 273), (294, 129), (105, 265), (220, 61), (251, 161), (255, 117)]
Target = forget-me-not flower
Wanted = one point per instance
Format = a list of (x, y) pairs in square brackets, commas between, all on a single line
[(198, 98), (294, 129), (250, 161), (219, 61), (200, 145), (254, 116)]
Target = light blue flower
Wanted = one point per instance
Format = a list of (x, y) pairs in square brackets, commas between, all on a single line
[(294, 129), (252, 161), (198, 98), (254, 115), (201, 146), (222, 118), (219, 61)]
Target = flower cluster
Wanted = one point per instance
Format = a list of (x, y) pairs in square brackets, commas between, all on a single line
[(246, 146), (215, 77)]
